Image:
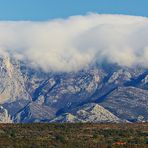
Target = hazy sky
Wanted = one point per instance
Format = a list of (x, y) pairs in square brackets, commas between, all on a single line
[(48, 9)]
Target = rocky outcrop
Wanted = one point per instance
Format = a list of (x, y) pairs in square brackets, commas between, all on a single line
[(12, 83), (4, 116), (88, 113)]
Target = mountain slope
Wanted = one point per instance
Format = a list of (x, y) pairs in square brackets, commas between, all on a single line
[(128, 102), (88, 113), (12, 83), (32, 95)]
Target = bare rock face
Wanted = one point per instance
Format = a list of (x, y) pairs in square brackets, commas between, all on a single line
[(119, 76), (67, 117), (34, 112), (145, 80), (95, 113), (98, 93), (88, 113), (4, 116), (12, 84), (128, 103)]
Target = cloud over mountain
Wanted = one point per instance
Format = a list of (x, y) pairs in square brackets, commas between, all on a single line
[(73, 43)]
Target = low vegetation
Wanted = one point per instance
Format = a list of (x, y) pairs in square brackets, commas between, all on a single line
[(79, 135)]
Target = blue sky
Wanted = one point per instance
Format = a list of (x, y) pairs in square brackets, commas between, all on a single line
[(48, 9)]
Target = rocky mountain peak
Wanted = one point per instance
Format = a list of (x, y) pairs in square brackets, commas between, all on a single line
[(12, 84)]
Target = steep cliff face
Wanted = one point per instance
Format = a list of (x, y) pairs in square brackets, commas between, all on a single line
[(111, 92), (12, 83)]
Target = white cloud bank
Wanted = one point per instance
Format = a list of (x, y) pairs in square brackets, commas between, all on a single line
[(73, 43)]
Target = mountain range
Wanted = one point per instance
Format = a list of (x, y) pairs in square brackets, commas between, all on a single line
[(98, 93)]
